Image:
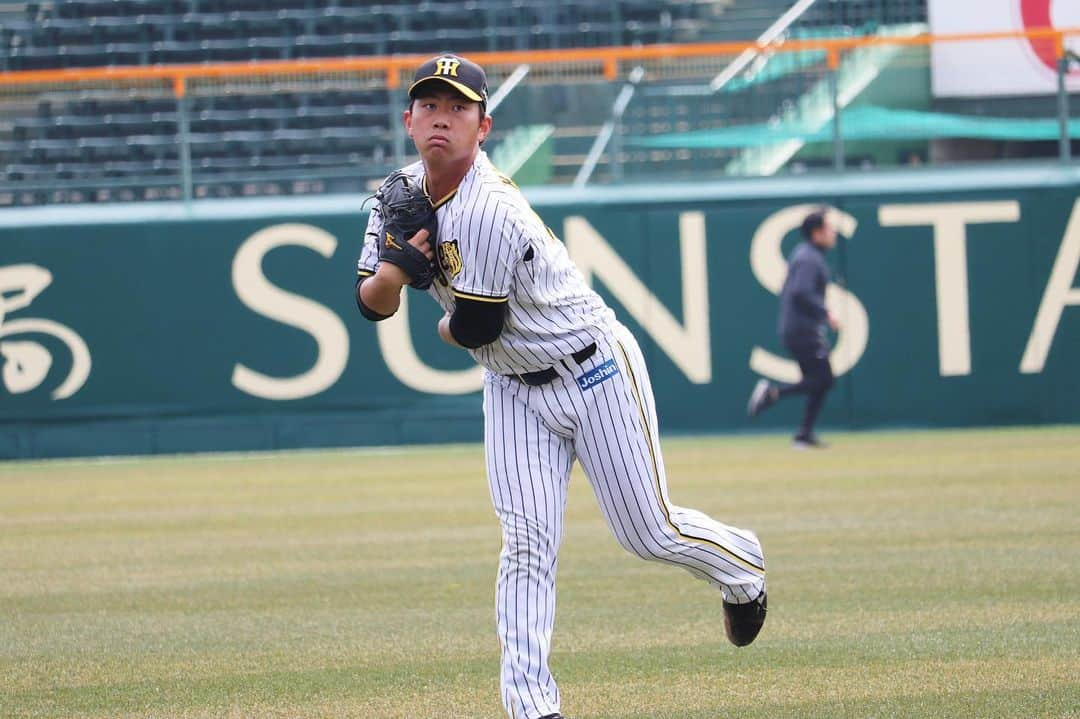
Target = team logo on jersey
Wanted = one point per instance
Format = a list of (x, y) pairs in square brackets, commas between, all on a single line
[(450, 258), (598, 374)]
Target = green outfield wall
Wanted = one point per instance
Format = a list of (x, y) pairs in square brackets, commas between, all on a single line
[(232, 325)]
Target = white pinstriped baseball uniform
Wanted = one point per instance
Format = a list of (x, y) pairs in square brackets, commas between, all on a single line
[(601, 412)]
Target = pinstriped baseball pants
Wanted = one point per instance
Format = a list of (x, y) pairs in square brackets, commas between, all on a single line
[(601, 413)]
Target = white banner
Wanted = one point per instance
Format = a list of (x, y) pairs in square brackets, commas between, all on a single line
[(1000, 67)]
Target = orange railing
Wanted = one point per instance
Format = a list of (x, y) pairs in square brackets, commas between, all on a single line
[(607, 60)]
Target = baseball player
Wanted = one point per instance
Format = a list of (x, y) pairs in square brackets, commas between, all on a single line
[(563, 380)]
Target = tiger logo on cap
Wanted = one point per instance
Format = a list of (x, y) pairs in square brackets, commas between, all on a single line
[(447, 66)]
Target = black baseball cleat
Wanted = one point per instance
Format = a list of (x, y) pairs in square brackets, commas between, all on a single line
[(552, 716), (742, 622), (763, 396), (808, 441)]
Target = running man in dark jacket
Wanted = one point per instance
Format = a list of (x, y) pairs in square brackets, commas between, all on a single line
[(804, 323)]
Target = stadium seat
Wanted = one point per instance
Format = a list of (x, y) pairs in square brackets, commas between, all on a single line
[(314, 123)]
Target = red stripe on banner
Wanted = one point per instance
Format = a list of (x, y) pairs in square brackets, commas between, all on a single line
[(1036, 14)]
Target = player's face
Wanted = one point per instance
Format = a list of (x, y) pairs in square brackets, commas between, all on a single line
[(826, 236), (446, 126)]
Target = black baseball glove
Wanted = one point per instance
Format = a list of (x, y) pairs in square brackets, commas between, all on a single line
[(405, 209)]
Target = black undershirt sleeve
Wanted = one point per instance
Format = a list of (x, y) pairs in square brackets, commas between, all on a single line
[(476, 323)]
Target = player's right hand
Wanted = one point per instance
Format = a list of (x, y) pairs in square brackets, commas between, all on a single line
[(421, 242)]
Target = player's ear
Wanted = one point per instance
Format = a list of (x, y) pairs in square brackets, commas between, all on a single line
[(485, 128), (406, 119)]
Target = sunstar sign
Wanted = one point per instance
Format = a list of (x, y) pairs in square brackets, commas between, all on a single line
[(1019, 66), (688, 343)]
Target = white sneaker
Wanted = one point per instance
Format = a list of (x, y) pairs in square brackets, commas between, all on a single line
[(764, 395)]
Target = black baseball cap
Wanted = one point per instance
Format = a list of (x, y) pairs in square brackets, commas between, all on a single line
[(463, 75)]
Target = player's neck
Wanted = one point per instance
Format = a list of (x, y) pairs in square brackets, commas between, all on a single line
[(442, 179)]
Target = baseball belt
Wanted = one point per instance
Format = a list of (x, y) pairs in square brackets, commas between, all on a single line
[(540, 377)]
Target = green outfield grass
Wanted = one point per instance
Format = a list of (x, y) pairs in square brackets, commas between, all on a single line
[(928, 574)]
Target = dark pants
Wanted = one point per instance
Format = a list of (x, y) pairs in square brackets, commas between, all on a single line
[(817, 380)]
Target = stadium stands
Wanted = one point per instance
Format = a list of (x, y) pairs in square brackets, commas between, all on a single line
[(124, 143), (91, 33)]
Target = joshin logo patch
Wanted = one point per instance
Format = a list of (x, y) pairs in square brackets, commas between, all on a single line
[(598, 374)]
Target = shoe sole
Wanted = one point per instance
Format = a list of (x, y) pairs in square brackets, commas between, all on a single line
[(753, 407)]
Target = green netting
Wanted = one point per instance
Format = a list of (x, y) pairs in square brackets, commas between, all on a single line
[(869, 123), (777, 65)]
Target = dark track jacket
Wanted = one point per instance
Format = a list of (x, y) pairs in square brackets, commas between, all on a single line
[(803, 317)]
